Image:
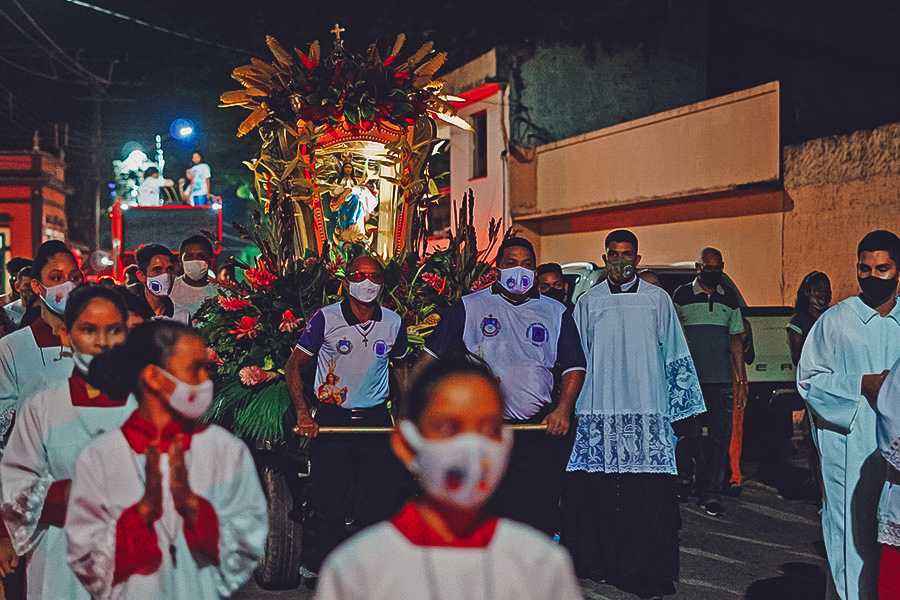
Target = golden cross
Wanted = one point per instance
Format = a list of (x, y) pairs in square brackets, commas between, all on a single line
[(337, 31)]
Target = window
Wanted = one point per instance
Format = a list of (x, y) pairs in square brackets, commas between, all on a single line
[(479, 145)]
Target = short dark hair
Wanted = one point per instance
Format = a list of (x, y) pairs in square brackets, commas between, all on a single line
[(422, 390), (622, 236), (150, 172), (714, 252), (146, 253), (16, 264), (513, 241), (200, 239), (549, 268), (24, 272), (47, 251), (352, 263), (880, 240), (198, 153)]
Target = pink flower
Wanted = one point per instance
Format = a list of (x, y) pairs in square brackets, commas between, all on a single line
[(484, 281), (213, 357), (254, 375), (262, 280), (246, 327), (233, 303), (288, 322), (438, 283)]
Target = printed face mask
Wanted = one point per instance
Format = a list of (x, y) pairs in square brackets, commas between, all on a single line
[(621, 269), (56, 297), (365, 290), (516, 280), (159, 285), (877, 291), (819, 303), (196, 269), (190, 400), (463, 470)]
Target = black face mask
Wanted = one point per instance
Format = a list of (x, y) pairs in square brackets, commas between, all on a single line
[(877, 291), (557, 294), (710, 278)]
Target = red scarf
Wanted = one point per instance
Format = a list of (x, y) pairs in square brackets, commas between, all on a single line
[(410, 523), (140, 433)]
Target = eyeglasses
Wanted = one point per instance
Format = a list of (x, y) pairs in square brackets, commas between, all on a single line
[(358, 276)]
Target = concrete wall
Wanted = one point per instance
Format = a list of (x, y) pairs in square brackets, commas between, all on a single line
[(841, 188)]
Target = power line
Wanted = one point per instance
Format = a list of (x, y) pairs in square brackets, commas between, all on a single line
[(77, 65), (158, 28)]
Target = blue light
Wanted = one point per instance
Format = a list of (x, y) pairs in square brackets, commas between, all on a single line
[(181, 129), (111, 185)]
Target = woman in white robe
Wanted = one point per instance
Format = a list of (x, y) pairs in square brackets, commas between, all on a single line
[(52, 427), (34, 356), (443, 545), (163, 507)]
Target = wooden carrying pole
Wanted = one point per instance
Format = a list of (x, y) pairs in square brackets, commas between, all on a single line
[(324, 430)]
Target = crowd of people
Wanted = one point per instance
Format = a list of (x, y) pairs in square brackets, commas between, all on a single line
[(526, 421)]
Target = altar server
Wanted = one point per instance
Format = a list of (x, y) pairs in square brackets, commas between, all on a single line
[(163, 507), (844, 361), (52, 427), (620, 509), (444, 545), (33, 356)]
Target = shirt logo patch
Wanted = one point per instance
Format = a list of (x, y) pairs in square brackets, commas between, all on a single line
[(380, 348), (344, 346), (537, 334), (490, 326)]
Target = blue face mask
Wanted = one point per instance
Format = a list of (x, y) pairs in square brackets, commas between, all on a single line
[(56, 297), (516, 280)]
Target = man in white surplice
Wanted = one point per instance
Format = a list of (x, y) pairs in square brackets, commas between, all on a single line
[(843, 364), (620, 509)]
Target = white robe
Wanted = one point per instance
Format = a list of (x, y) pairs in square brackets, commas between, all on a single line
[(888, 436), (848, 341), (25, 368), (109, 479), (48, 436), (380, 563), (640, 379)]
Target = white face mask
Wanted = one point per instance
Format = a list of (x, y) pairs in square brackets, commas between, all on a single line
[(516, 280), (56, 297), (160, 284), (190, 400), (463, 470), (365, 290), (196, 269), (82, 360)]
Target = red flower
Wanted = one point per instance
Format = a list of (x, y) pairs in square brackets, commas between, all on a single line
[(253, 375), (289, 322), (213, 357), (484, 281), (260, 279), (438, 283), (246, 327), (233, 303)]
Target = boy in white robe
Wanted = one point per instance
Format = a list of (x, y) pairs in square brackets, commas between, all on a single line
[(52, 427), (842, 367), (443, 545), (163, 507)]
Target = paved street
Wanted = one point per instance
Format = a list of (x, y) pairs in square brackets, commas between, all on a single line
[(765, 548)]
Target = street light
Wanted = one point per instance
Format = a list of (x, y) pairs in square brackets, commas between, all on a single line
[(180, 129)]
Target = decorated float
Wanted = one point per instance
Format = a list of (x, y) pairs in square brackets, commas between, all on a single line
[(343, 170)]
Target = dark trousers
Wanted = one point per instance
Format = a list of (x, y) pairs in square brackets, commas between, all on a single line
[(352, 477), (530, 489), (622, 527), (706, 459)]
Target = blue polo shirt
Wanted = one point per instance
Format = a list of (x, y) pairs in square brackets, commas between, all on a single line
[(353, 357), (520, 343)]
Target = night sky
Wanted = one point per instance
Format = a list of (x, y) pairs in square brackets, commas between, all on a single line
[(838, 61)]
